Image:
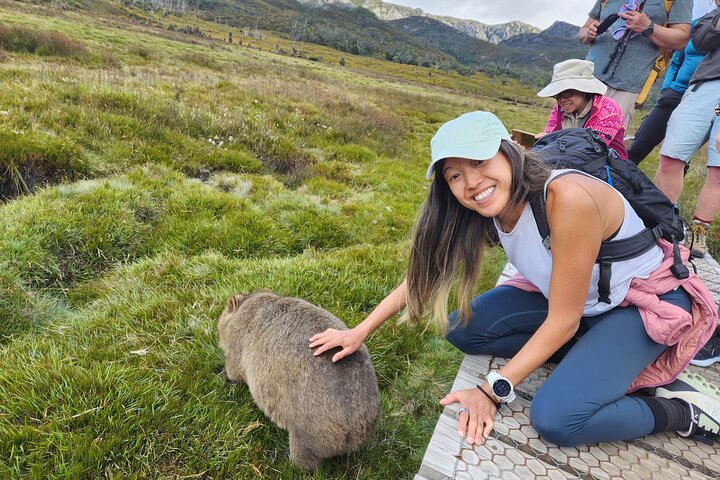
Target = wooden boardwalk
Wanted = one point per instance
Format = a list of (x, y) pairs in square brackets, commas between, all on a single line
[(515, 451)]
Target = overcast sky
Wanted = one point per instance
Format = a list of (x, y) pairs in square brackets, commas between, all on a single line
[(540, 13)]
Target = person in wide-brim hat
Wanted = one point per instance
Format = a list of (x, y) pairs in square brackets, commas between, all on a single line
[(573, 75), (581, 103)]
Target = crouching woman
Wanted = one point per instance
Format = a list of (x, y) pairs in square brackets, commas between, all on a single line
[(481, 183)]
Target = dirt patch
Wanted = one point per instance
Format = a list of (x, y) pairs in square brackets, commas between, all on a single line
[(27, 177)]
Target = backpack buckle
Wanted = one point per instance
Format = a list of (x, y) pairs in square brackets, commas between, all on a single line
[(604, 280)]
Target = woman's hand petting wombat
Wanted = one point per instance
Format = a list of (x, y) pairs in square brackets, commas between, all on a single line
[(348, 340)]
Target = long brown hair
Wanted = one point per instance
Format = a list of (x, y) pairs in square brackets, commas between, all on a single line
[(449, 238)]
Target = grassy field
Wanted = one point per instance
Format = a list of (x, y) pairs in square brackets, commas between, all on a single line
[(147, 175)]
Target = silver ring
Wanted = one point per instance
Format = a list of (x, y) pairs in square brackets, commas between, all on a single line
[(463, 409)]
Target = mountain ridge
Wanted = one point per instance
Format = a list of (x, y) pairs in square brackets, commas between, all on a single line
[(348, 26), (494, 33)]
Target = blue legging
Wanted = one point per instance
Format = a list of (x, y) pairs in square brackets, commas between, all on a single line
[(583, 400)]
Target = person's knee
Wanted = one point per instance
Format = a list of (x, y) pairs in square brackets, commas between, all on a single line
[(670, 166), (457, 334), (713, 175), (461, 338), (550, 418)]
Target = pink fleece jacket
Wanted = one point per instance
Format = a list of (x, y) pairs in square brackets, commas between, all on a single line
[(685, 333), (605, 117)]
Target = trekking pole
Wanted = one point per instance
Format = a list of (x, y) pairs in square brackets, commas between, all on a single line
[(619, 50), (618, 53)]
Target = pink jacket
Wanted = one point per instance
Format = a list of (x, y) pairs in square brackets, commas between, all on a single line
[(605, 117), (685, 333)]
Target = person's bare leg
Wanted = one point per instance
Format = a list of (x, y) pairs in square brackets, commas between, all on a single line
[(708, 204), (669, 177)]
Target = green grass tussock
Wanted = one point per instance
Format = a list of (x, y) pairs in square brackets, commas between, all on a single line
[(31, 159), (39, 42), (74, 232), (23, 309)]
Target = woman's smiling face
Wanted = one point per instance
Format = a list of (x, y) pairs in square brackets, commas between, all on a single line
[(484, 186), (571, 101)]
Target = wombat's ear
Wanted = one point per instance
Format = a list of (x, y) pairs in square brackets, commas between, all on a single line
[(235, 301)]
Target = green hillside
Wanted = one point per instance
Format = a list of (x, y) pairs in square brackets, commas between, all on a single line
[(529, 56), (148, 169), (466, 49), (352, 30)]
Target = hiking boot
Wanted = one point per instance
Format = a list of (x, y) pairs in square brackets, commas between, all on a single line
[(698, 240), (704, 400), (710, 353)]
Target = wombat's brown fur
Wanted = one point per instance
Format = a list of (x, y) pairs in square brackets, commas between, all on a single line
[(327, 408)]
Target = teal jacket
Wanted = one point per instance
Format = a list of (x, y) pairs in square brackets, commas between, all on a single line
[(682, 67)]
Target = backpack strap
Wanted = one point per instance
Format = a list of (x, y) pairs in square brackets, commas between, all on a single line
[(660, 64), (610, 250)]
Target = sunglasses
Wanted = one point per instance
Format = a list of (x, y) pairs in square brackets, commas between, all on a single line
[(565, 94)]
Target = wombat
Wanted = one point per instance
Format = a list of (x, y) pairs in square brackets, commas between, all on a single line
[(327, 408)]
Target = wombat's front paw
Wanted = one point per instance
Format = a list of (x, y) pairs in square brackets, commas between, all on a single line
[(274, 455), (221, 371)]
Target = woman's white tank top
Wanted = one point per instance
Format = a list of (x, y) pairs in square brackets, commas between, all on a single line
[(526, 251)]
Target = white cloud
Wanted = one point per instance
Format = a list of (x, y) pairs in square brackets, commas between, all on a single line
[(701, 7), (540, 13)]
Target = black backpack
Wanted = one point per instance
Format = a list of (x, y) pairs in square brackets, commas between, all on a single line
[(584, 149)]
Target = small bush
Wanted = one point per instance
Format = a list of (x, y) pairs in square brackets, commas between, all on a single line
[(21, 39)]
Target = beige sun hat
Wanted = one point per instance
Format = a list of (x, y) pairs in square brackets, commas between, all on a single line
[(573, 74)]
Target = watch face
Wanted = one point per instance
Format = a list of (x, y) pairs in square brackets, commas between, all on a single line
[(501, 388)]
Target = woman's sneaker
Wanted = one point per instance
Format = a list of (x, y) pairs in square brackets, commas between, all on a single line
[(704, 400), (710, 353)]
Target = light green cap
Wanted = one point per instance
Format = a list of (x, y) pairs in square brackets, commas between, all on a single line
[(474, 135)]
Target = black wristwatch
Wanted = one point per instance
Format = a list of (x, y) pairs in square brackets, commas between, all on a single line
[(650, 30)]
